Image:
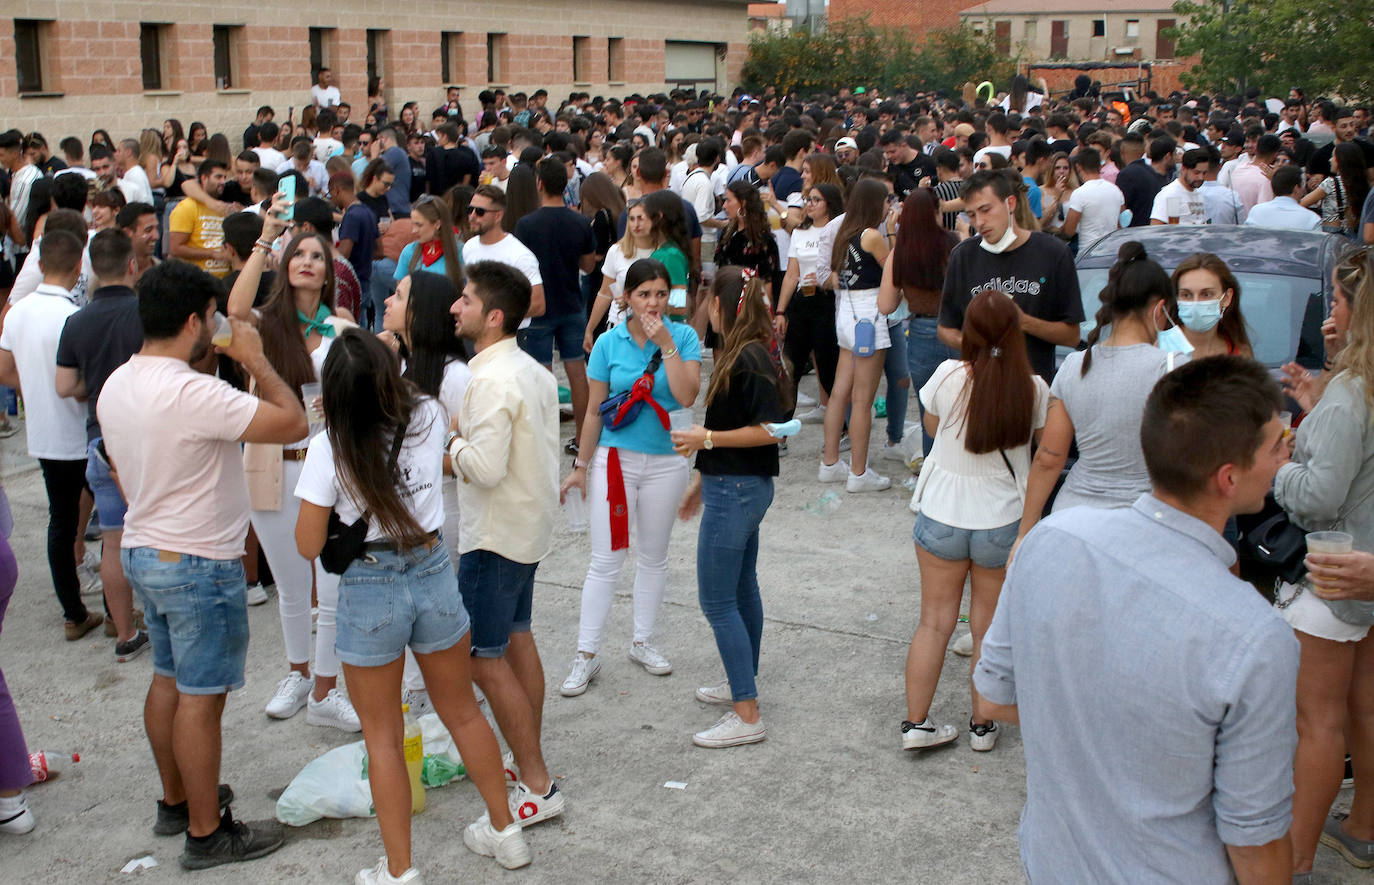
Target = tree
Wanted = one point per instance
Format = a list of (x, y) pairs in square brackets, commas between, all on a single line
[(1274, 45)]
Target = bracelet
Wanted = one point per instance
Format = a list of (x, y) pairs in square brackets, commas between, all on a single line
[(672, 351), (579, 464), (266, 244)]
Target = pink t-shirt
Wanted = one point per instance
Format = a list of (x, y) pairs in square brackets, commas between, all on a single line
[(172, 436)]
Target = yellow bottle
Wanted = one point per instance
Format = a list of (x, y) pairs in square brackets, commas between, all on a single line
[(414, 748)]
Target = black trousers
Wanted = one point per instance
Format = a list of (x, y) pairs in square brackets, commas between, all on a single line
[(811, 330), (64, 481)]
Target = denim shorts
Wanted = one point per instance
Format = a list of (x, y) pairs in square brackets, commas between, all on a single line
[(389, 600), (988, 548), (109, 502), (499, 594), (566, 330), (196, 615)]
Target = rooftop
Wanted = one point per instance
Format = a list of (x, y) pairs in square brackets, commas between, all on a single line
[(1031, 7)]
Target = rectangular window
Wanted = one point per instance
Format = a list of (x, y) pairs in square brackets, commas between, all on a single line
[(226, 54), (1059, 38), (1132, 29), (321, 50), (1001, 38), (615, 60), (582, 47), (1099, 27), (450, 57), (1164, 41), (150, 51), (28, 53), (376, 52), (496, 58), (1031, 28)]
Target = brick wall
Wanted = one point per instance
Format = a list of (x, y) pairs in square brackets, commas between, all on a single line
[(916, 16)]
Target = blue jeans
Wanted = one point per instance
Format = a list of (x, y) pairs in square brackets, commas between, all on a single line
[(380, 287), (388, 600), (923, 356), (727, 573), (196, 615), (896, 371), (109, 501)]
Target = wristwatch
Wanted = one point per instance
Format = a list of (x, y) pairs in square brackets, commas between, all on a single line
[(449, 438), (708, 443)]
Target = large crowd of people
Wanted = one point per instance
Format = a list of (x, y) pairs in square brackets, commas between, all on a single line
[(325, 363)]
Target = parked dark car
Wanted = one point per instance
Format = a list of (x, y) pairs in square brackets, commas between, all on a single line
[(1284, 275)]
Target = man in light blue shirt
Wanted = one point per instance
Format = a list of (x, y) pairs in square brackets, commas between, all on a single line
[(1222, 205), (1156, 691), (1284, 211)]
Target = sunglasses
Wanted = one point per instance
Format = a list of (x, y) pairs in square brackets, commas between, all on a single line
[(478, 211)]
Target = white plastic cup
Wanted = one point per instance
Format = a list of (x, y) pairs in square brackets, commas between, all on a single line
[(312, 395), (575, 507), (1329, 542), (224, 332)]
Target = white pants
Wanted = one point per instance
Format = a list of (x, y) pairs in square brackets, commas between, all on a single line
[(276, 531), (653, 490)]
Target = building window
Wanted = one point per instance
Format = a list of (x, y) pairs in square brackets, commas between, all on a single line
[(615, 60), (376, 52), (1099, 27), (321, 50), (226, 39), (1001, 38), (29, 37), (979, 28), (1059, 38), (582, 48), (150, 51), (496, 58), (1164, 41), (1132, 29), (449, 56), (1030, 30)]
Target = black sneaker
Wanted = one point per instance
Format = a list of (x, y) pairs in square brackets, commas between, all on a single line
[(172, 820), (1348, 780), (127, 651), (571, 447), (233, 842)]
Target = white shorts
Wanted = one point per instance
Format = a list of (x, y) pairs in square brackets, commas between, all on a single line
[(1308, 614), (863, 305)]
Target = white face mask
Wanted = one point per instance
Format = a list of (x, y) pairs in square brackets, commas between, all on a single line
[(1003, 244)]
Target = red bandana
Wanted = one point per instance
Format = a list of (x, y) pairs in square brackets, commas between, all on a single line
[(431, 252), (642, 390)]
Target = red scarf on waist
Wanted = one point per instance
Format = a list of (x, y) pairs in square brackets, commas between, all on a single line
[(641, 391)]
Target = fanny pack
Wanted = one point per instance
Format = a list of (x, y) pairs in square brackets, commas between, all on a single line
[(344, 543), (622, 409)]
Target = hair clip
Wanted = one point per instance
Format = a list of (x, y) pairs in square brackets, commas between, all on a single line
[(996, 352)]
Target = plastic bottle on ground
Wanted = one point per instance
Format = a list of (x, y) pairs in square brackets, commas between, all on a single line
[(414, 746), (46, 764)]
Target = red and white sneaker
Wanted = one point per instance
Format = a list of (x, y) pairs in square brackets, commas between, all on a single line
[(528, 807)]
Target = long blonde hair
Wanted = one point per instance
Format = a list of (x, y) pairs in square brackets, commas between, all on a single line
[(627, 242), (1356, 280)]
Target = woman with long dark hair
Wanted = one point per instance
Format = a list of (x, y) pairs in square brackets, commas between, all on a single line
[(668, 229), (983, 410), (1208, 307), (1342, 193), (733, 488), (382, 456), (602, 203), (197, 140), (617, 166), (376, 101), (916, 270), (857, 274), (634, 463), (172, 134), (434, 249), (747, 240), (297, 325), (407, 121), (805, 317), (522, 196), (640, 241)]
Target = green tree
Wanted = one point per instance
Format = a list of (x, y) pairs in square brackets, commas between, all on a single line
[(1273, 45)]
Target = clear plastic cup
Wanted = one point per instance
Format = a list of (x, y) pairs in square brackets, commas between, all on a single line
[(575, 507), (1328, 542), (224, 332), (680, 419), (312, 395), (1286, 419)]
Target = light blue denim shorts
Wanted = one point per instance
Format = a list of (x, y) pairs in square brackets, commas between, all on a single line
[(988, 548), (390, 600)]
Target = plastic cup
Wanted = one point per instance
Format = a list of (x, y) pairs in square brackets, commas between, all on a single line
[(224, 332), (1328, 542), (312, 395), (575, 506), (680, 419), (1286, 419)]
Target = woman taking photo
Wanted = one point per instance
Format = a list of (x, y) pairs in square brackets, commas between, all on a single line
[(382, 454), (1208, 307), (297, 325), (860, 310), (434, 248), (733, 488), (639, 242), (1329, 485), (983, 410), (916, 272), (634, 464), (1098, 394), (805, 317)]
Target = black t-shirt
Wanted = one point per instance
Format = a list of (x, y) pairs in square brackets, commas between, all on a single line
[(98, 339), (233, 192), (450, 166), (1039, 276), (558, 237), (751, 398), (1139, 182), (907, 176), (380, 206)]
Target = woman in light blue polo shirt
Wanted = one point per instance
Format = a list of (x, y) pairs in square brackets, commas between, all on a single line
[(633, 474)]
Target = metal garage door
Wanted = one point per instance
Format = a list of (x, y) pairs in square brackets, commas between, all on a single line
[(690, 65)]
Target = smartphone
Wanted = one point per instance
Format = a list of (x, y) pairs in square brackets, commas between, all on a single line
[(287, 187)]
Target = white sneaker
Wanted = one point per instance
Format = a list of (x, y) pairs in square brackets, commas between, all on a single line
[(15, 816), (91, 560), (334, 710), (512, 770), (507, 846), (836, 472), (924, 735), (868, 481), (290, 696), (649, 658), (716, 694), (963, 646), (380, 875), (91, 585), (814, 416), (845, 444), (805, 401), (528, 807), (893, 452), (730, 731), (418, 700), (583, 669), (982, 737), (256, 594)]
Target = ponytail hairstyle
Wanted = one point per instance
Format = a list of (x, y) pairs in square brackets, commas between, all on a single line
[(366, 402), (430, 330), (1023, 216), (1232, 325), (1134, 283), (746, 319), (436, 211), (667, 220), (999, 401)]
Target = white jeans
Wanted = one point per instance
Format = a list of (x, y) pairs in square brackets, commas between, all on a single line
[(276, 531), (653, 490)]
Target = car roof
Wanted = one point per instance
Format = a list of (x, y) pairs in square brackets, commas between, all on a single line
[(1245, 248)]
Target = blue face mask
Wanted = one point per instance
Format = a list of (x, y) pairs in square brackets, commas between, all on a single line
[(1200, 316), (1173, 340)]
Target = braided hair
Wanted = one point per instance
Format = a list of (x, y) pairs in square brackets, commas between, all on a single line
[(1133, 284)]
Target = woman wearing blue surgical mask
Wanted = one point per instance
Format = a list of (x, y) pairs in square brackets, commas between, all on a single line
[(1208, 307), (1098, 395)]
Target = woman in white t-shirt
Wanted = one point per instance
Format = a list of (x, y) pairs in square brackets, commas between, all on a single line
[(983, 410), (639, 241), (805, 318), (382, 456)]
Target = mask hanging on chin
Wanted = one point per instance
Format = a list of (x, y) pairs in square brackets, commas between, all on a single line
[(1001, 245)]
